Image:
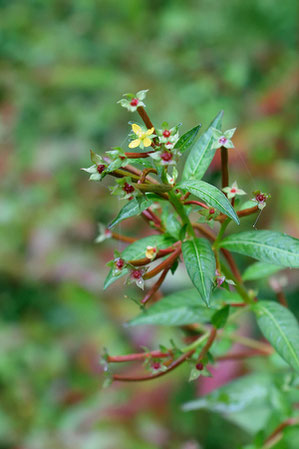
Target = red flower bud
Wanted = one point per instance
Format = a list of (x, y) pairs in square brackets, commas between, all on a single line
[(128, 188), (199, 366), (134, 102), (166, 133), (166, 156), (101, 168)]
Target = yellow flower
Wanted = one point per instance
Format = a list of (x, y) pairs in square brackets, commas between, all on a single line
[(143, 139)]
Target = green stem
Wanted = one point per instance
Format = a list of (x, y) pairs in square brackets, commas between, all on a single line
[(179, 207), (238, 286), (196, 343), (156, 188)]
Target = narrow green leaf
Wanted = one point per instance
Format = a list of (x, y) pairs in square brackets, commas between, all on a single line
[(176, 309), (187, 139), (137, 251), (212, 196), (266, 246), (200, 263), (202, 154), (281, 329), (171, 222), (131, 209), (220, 317), (259, 270)]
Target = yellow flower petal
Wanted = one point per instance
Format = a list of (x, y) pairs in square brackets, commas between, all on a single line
[(147, 142), (135, 143), (137, 130), (149, 131)]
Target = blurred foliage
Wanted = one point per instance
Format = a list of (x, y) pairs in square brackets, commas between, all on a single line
[(64, 64)]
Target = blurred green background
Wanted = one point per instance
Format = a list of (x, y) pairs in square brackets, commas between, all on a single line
[(64, 64)]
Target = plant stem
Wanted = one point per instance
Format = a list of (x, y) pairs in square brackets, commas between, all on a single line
[(242, 355), (144, 174), (240, 213), (171, 367), (137, 356), (179, 207), (156, 188), (196, 343), (208, 344), (143, 114), (276, 435), (198, 203), (224, 166), (122, 238), (138, 155), (155, 287), (245, 341), (167, 263)]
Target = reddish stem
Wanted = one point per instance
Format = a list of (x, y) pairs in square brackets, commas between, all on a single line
[(122, 238), (288, 422), (144, 174), (240, 213), (232, 264), (281, 298), (165, 264), (184, 197), (155, 287), (208, 344), (137, 356), (224, 166), (198, 203), (171, 367), (138, 155), (241, 355), (236, 304), (143, 114)]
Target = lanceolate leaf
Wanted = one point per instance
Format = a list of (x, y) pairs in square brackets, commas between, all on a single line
[(202, 154), (176, 309), (266, 246), (259, 270), (132, 208), (137, 251), (211, 195), (281, 329), (200, 263), (187, 139)]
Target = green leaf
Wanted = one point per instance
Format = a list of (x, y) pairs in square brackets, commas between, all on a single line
[(171, 222), (187, 139), (137, 251), (131, 209), (259, 270), (202, 154), (176, 309), (235, 396), (281, 329), (220, 317), (211, 195), (266, 246), (200, 263)]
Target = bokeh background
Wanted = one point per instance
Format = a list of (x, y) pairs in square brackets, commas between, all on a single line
[(64, 64)]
